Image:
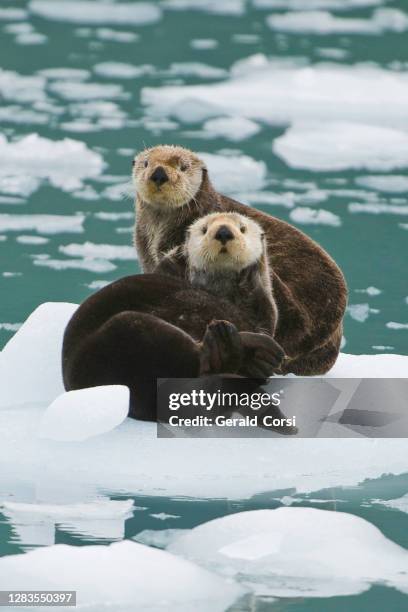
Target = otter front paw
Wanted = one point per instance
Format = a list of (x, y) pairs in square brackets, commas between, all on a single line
[(263, 355), (221, 349)]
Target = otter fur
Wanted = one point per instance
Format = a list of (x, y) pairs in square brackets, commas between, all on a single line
[(174, 190), (167, 325)]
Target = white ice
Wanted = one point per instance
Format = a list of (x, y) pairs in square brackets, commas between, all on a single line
[(76, 90), (401, 503), (30, 363), (312, 5), (226, 7), (15, 87), (342, 145), (46, 224), (378, 209), (389, 183), (282, 92), (112, 13), (121, 576), (234, 173), (289, 552), (32, 240), (323, 22), (79, 415), (360, 312), (314, 216), (88, 263), (90, 250), (231, 128), (65, 163), (12, 14), (196, 69), (159, 538), (121, 70)]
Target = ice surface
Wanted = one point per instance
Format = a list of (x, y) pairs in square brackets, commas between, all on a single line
[(360, 312), (76, 90), (32, 239), (231, 128), (342, 145), (389, 183), (282, 92), (395, 325), (47, 224), (65, 163), (99, 251), (234, 173), (196, 69), (121, 70), (322, 22), (79, 415), (311, 5), (88, 263), (314, 216), (226, 7), (135, 13), (12, 14), (123, 575), (288, 551), (378, 209), (158, 538), (17, 88), (204, 43), (401, 503), (30, 363)]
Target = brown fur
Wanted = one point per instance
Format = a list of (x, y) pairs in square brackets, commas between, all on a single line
[(308, 287)]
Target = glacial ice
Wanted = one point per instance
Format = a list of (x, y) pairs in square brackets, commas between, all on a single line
[(76, 90), (79, 415), (312, 5), (226, 7), (231, 128), (89, 250), (342, 145), (121, 70), (323, 22), (391, 183), (288, 551), (401, 503), (88, 263), (112, 13), (65, 163), (121, 576), (234, 173), (282, 92), (314, 216)]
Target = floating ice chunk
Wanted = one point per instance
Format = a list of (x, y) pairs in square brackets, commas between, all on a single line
[(136, 13), (69, 74), (204, 44), (19, 114), (332, 53), (90, 264), (32, 240), (78, 415), (388, 183), (234, 173), (192, 110), (46, 224), (158, 538), (314, 216), (394, 325), (322, 22), (116, 35), (288, 551), (226, 7), (106, 216), (231, 128), (10, 327), (361, 312), (282, 92), (163, 516), (311, 5), (120, 70), (401, 503), (31, 38), (378, 209), (30, 363), (267, 197), (196, 69), (97, 284), (89, 250), (12, 14), (75, 90), (97, 509), (342, 145), (18, 88), (371, 291), (124, 573), (19, 185), (65, 163)]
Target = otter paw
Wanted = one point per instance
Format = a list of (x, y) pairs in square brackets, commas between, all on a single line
[(264, 356), (221, 349)]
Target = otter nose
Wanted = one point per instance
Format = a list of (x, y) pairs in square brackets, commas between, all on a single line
[(159, 176), (224, 234)]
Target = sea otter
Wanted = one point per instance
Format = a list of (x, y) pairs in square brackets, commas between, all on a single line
[(173, 190), (217, 319)]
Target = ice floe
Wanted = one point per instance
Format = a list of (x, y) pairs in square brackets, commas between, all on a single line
[(401, 503), (231, 128), (30, 363), (312, 5), (341, 145), (389, 183), (204, 44), (90, 250), (314, 216), (12, 14), (323, 22), (234, 173), (378, 209), (15, 87), (158, 538), (46, 224), (79, 415), (65, 163), (282, 92), (76, 90), (290, 551), (361, 312), (122, 575), (226, 7), (88, 263), (32, 240), (112, 13), (395, 325), (121, 70), (196, 69)]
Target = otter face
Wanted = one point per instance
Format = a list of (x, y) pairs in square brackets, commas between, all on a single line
[(167, 176), (224, 241)]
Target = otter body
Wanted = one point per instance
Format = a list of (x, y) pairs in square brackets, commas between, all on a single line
[(308, 287), (162, 325)]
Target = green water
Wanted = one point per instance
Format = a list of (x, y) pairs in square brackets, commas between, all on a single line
[(371, 249)]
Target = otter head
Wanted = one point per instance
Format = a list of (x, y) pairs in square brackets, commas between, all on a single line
[(167, 176), (224, 241)]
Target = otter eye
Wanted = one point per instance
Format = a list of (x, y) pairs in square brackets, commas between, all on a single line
[(243, 229), (183, 168), (133, 163), (146, 163), (204, 230)]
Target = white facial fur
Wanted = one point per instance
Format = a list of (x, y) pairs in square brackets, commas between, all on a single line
[(183, 169), (204, 251)]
